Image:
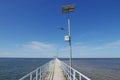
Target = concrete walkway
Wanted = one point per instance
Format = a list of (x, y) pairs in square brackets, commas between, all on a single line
[(55, 72), (58, 74)]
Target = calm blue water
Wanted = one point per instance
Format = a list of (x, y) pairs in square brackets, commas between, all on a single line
[(15, 68), (96, 69)]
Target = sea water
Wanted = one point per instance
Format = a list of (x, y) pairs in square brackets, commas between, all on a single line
[(15, 68)]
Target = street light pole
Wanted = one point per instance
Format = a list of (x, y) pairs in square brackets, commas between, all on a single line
[(68, 9), (70, 46)]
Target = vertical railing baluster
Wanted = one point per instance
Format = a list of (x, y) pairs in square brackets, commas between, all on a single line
[(73, 74), (36, 74), (31, 76), (79, 77), (70, 73), (40, 74)]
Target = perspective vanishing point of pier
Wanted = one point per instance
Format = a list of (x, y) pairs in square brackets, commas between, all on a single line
[(55, 70)]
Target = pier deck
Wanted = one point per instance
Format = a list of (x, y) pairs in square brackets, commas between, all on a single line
[(55, 72), (58, 73)]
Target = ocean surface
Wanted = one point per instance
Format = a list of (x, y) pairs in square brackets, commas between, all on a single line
[(15, 68), (94, 68)]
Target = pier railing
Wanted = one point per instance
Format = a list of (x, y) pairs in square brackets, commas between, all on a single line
[(39, 73), (71, 73), (46, 72)]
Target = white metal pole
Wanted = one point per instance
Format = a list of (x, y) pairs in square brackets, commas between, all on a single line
[(70, 46), (69, 33), (31, 76), (36, 74)]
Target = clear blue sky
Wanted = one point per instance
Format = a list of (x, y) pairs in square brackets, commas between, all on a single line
[(29, 28)]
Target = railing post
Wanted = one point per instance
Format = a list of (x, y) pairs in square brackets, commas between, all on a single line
[(31, 76), (36, 74), (79, 77), (70, 73), (73, 74), (40, 74)]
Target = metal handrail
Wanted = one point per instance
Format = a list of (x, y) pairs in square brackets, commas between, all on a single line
[(48, 70), (39, 73), (74, 74)]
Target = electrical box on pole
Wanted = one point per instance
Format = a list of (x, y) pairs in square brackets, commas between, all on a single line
[(67, 38)]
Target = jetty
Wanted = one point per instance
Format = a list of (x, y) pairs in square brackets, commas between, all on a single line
[(55, 70)]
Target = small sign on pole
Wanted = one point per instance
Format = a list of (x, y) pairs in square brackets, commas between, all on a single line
[(67, 38)]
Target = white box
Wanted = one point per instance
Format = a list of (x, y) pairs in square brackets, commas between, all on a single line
[(67, 38)]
